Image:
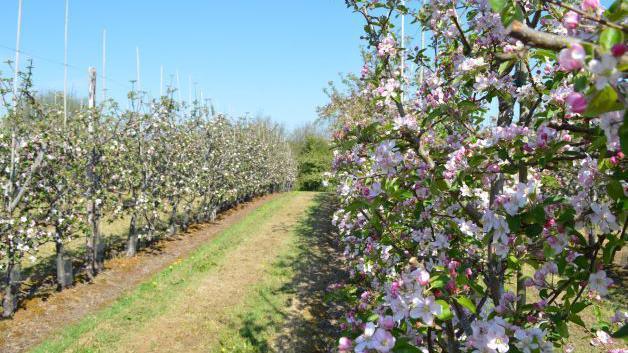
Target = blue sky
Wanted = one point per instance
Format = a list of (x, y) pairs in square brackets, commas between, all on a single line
[(271, 57)]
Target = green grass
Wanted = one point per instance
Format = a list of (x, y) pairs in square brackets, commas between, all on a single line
[(154, 296), (253, 325)]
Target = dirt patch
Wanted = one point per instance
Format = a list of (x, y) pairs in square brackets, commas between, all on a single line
[(41, 317)]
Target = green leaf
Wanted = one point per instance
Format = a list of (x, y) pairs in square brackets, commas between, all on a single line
[(563, 330), (578, 307), (617, 11), (615, 190), (467, 303), (621, 333), (441, 184), (506, 66), (533, 230), (538, 215), (623, 135), (446, 312), (372, 318), (610, 37), (544, 53), (580, 83), (474, 161), (356, 205), (603, 101), (438, 282), (577, 319), (549, 180), (402, 346), (513, 261), (498, 5), (514, 223)]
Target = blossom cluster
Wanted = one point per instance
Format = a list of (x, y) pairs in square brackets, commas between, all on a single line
[(482, 200)]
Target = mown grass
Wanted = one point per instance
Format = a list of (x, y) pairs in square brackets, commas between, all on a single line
[(98, 332), (254, 324), (287, 311)]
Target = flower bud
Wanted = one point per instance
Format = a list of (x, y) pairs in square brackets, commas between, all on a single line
[(619, 49), (571, 19), (345, 344), (590, 5), (576, 102), (571, 58)]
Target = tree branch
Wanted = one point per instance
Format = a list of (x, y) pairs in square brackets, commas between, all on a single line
[(539, 39), (589, 17), (38, 160)]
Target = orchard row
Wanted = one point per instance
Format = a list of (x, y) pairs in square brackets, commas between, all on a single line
[(158, 164)]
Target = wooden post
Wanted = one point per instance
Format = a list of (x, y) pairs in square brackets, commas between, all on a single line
[(65, 64), (421, 47), (17, 51), (12, 274), (95, 247), (403, 42)]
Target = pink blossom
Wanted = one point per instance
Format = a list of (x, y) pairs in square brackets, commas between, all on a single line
[(571, 58), (387, 47), (387, 322), (571, 20), (344, 344), (423, 277), (576, 102), (602, 338), (493, 168), (590, 5), (383, 341), (599, 283)]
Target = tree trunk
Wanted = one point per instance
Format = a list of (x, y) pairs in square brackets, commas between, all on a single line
[(65, 275), (494, 282), (186, 218), (131, 245), (172, 222), (11, 288)]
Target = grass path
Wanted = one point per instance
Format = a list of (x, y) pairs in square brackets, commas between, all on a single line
[(254, 288)]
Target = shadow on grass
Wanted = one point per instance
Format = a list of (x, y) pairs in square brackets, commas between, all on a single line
[(306, 322)]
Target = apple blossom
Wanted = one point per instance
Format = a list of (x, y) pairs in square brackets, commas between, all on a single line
[(491, 158), (576, 102), (571, 20), (590, 5), (598, 282), (571, 58)]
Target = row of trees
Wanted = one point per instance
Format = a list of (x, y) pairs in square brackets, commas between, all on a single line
[(313, 155), (484, 195), (158, 164)]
